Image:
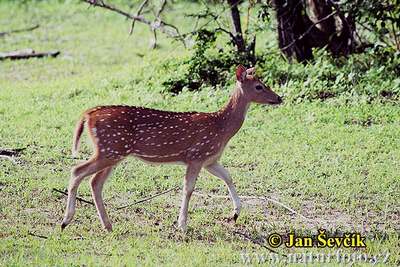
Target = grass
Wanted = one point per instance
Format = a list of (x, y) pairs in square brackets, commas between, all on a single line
[(335, 162)]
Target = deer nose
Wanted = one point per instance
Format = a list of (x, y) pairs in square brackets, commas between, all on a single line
[(279, 99)]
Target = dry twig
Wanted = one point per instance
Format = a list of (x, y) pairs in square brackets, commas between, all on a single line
[(153, 44), (166, 28), (36, 235), (138, 13), (149, 198), (19, 30), (256, 197), (126, 206), (78, 198)]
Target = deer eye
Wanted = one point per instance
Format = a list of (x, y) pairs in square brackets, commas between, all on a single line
[(259, 87)]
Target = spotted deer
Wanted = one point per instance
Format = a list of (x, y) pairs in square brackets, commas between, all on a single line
[(195, 139)]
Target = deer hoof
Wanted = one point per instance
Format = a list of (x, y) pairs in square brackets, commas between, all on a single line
[(63, 225), (233, 218), (108, 228), (182, 227)]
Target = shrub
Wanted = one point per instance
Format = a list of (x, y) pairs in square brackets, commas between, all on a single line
[(373, 75)]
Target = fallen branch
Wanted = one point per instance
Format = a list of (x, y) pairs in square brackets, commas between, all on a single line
[(27, 53), (11, 154), (20, 30), (149, 198), (78, 198), (256, 197)]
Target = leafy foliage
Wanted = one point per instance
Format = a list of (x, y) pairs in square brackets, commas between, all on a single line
[(381, 18), (360, 77), (207, 65), (367, 77), (353, 77)]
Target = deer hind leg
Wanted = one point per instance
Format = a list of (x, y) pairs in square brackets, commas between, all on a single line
[(96, 184), (78, 174), (192, 172), (219, 171)]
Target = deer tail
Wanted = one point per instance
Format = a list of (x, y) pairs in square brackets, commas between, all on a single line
[(77, 135)]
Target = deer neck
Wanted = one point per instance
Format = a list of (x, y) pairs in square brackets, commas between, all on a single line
[(234, 113)]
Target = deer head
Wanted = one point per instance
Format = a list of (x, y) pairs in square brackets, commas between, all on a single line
[(253, 89)]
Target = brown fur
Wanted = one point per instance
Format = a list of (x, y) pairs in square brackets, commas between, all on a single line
[(196, 139)]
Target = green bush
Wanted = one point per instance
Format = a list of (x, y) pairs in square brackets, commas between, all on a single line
[(208, 65), (366, 77)]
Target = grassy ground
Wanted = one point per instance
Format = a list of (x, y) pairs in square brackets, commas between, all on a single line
[(335, 163)]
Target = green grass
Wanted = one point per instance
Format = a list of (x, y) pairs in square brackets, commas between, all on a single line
[(334, 161)]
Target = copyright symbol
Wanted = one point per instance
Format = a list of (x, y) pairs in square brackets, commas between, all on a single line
[(274, 240)]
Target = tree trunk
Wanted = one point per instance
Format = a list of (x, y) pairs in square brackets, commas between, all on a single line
[(237, 27), (338, 38), (291, 25), (246, 51), (313, 23)]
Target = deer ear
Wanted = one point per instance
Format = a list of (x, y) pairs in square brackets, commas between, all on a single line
[(251, 71), (241, 73)]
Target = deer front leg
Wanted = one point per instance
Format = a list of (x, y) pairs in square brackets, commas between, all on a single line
[(192, 172), (219, 171), (96, 184)]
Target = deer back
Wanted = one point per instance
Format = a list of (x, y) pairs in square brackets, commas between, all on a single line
[(155, 135)]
